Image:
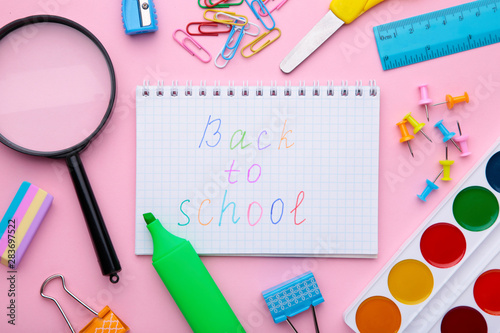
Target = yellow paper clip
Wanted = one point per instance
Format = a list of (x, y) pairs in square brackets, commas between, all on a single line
[(257, 40), (234, 19), (106, 320)]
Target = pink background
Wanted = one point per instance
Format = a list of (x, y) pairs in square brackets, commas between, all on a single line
[(62, 244)]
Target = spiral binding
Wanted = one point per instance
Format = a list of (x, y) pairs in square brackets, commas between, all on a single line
[(288, 88), (274, 88), (174, 91), (231, 90), (216, 90), (189, 89), (245, 91), (203, 88), (316, 88), (160, 91), (145, 88), (344, 91), (259, 89), (302, 88)]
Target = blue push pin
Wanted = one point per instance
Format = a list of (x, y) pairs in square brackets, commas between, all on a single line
[(447, 135), (430, 186), (293, 297)]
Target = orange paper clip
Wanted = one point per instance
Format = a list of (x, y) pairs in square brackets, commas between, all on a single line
[(208, 32), (234, 19), (257, 40), (105, 320), (189, 38)]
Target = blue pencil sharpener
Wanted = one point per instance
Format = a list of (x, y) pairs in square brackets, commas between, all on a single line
[(139, 16)]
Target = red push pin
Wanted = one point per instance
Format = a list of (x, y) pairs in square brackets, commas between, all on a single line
[(451, 101), (405, 135), (424, 98), (462, 141)]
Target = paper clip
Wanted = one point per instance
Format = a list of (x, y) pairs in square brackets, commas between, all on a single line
[(207, 33), (262, 9), (209, 3), (234, 47), (225, 4), (219, 55), (257, 40), (278, 6), (234, 19), (248, 27), (189, 38)]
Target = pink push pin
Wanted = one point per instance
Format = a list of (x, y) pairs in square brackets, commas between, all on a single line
[(424, 98), (462, 140)]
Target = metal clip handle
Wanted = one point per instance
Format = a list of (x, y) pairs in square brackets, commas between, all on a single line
[(57, 303)]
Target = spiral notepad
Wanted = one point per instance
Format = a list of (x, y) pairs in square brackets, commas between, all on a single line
[(260, 170)]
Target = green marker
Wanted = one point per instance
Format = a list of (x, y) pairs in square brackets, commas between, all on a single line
[(190, 284)]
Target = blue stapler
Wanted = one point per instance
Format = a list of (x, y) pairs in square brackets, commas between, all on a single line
[(139, 16)]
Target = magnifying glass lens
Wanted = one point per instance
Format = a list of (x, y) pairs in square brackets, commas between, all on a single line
[(54, 87)]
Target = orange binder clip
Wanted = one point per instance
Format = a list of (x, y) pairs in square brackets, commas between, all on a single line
[(106, 321)]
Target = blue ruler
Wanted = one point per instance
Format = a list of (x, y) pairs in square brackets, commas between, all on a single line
[(438, 34)]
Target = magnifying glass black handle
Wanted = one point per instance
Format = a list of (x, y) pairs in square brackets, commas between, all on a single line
[(103, 247)]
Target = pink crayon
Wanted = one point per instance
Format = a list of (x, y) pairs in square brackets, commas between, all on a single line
[(21, 221)]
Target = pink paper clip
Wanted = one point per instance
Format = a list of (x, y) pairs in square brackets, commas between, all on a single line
[(208, 32), (189, 38), (278, 6)]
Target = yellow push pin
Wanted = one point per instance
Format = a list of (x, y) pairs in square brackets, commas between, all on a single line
[(446, 166), (417, 127), (405, 135), (451, 101)]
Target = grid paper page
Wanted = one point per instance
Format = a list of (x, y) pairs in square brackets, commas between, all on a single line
[(261, 173)]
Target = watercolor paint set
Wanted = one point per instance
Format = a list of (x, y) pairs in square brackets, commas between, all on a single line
[(477, 309), (427, 285)]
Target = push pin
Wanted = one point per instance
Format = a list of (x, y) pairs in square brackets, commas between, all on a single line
[(447, 135), (446, 166), (106, 320), (424, 98), (462, 140), (429, 188), (417, 127), (405, 135), (451, 101), (292, 297)]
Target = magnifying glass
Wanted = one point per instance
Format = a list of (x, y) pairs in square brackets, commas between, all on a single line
[(57, 90)]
